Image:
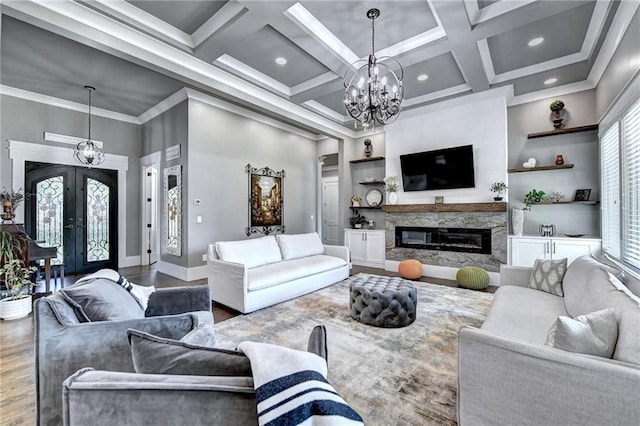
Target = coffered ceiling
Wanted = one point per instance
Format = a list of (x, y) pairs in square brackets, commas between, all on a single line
[(138, 53)]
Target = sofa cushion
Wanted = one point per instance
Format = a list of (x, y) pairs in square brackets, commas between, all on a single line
[(590, 289), (523, 313), (156, 355), (547, 275), (288, 270), (251, 253), (300, 245), (102, 300), (202, 335), (592, 334)]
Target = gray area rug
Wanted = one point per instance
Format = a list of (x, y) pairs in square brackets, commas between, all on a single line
[(390, 376)]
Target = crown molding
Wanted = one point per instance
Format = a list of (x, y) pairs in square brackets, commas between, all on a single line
[(62, 103), (228, 13), (230, 63), (551, 92)]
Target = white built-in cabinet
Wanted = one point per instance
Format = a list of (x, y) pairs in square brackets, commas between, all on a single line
[(526, 249), (367, 246)]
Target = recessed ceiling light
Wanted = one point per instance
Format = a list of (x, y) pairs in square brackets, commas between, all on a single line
[(550, 81), (422, 77), (535, 41), (281, 61)]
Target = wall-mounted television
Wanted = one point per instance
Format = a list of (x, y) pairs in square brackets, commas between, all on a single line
[(449, 168)]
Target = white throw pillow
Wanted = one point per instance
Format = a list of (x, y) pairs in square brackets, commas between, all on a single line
[(251, 253), (592, 334), (300, 245)]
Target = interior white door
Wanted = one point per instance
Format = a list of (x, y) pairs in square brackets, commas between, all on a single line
[(330, 222)]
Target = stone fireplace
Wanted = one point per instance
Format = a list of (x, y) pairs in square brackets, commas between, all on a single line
[(451, 235)]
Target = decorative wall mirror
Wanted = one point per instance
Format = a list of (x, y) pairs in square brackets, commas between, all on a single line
[(173, 210)]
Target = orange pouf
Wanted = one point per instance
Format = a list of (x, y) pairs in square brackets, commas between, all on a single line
[(410, 269)]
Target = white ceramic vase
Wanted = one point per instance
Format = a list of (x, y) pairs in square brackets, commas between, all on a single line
[(14, 309), (392, 198), (517, 221)]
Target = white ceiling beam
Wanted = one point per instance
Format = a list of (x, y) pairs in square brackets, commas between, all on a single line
[(227, 14)]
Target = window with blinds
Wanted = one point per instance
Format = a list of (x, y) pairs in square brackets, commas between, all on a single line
[(631, 186), (610, 184), (620, 171)]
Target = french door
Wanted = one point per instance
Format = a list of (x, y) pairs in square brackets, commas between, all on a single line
[(74, 209)]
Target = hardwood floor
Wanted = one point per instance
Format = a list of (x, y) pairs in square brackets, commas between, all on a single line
[(17, 378)]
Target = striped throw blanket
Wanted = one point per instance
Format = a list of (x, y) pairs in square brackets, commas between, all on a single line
[(292, 388)]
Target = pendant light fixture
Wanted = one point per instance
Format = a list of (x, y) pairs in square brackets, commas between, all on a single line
[(87, 152), (373, 93)]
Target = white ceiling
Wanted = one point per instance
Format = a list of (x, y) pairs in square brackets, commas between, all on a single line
[(138, 53)]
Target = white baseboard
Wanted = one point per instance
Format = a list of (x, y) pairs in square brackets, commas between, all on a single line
[(444, 272), (128, 261), (180, 272)]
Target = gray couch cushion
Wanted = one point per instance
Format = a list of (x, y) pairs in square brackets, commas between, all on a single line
[(523, 313), (157, 355), (547, 275), (592, 334), (576, 291), (202, 335), (102, 300)]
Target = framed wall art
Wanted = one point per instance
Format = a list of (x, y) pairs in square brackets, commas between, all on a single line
[(266, 200)]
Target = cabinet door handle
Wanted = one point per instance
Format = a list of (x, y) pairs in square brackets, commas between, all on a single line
[(546, 247), (554, 247)]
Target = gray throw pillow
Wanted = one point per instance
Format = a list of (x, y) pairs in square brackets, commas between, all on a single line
[(592, 334), (547, 275), (202, 335), (102, 300), (157, 355)]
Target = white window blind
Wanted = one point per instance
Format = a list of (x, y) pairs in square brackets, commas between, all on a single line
[(631, 186), (610, 208)]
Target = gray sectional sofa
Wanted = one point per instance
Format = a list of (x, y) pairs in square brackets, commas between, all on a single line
[(507, 375)]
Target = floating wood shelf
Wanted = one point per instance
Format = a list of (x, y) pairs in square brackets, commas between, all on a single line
[(564, 131), (566, 202), (539, 168), (364, 160), (365, 207), (373, 182), (453, 207)]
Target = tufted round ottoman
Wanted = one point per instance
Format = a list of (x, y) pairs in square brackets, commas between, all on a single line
[(473, 278), (383, 301), (410, 269)]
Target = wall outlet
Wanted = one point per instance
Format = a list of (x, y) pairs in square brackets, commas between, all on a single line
[(204, 257)]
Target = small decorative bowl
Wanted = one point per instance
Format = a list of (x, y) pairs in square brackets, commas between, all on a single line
[(369, 179)]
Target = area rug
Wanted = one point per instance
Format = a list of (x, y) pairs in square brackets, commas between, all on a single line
[(390, 376)]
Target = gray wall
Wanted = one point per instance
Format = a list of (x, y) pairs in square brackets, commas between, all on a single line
[(27, 121), (623, 66), (221, 144), (581, 149), (168, 129)]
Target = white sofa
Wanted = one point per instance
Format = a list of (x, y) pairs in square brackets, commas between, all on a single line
[(252, 274)]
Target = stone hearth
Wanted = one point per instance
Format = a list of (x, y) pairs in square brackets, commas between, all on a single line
[(496, 221)]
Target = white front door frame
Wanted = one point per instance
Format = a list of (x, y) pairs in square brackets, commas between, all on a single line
[(21, 152), (151, 160)]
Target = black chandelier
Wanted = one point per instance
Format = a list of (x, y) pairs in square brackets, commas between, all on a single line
[(86, 152), (374, 92)]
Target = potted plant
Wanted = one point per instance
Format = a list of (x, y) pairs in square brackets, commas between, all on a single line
[(391, 187), (10, 201), (17, 279), (355, 201), (534, 196), (499, 188)]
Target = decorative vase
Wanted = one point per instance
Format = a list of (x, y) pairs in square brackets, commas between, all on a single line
[(355, 204), (517, 221), (392, 198), (16, 308), (497, 198), (557, 120), (559, 160)]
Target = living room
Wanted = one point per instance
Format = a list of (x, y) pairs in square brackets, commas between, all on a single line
[(224, 112)]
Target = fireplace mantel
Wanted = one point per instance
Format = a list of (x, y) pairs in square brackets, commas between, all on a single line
[(452, 207)]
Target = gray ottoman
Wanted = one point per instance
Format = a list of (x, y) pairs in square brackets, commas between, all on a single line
[(383, 301)]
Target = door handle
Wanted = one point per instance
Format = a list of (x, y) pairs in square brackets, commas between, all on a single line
[(554, 247), (69, 226)]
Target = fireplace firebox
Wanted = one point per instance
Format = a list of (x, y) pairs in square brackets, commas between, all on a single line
[(468, 240)]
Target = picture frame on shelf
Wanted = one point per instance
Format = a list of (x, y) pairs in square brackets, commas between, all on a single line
[(582, 194), (439, 199)]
